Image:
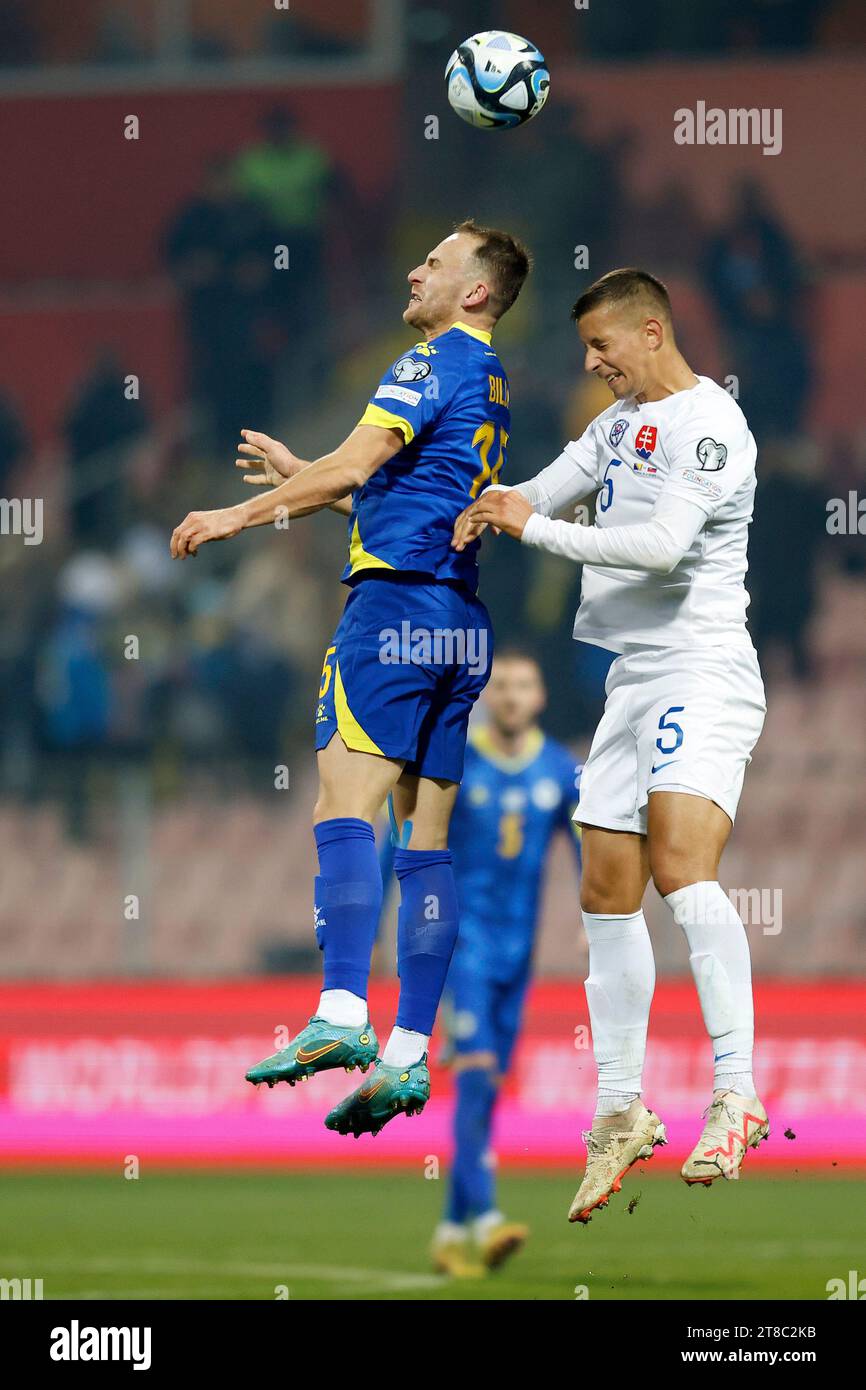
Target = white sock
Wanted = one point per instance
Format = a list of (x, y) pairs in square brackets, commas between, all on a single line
[(719, 957), (611, 1103), (484, 1224), (450, 1233), (343, 1008), (619, 991), (742, 1083), (404, 1047)]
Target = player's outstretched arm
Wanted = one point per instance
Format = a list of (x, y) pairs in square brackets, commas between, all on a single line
[(656, 545), (271, 464), (568, 479), (315, 485), (329, 478)]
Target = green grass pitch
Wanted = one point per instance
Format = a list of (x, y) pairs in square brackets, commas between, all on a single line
[(201, 1235)]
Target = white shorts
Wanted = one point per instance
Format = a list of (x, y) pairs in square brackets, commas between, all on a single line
[(674, 721)]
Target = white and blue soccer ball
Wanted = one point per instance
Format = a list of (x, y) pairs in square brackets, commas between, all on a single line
[(497, 80)]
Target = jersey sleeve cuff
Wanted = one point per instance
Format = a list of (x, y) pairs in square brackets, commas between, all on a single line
[(384, 419), (534, 529)]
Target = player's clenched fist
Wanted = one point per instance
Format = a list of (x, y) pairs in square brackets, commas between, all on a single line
[(200, 527), (272, 461)]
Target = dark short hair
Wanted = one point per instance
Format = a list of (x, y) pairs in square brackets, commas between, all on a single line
[(516, 651), (505, 259), (626, 288)]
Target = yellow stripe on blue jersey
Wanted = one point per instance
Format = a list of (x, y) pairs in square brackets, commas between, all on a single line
[(375, 415), (351, 732), (449, 399), (361, 559)]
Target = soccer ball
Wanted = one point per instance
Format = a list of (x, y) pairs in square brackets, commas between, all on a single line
[(497, 80)]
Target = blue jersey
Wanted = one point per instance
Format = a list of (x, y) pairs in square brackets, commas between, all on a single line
[(449, 400), (507, 812)]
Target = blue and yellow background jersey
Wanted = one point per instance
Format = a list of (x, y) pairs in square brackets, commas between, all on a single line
[(449, 400), (505, 817)]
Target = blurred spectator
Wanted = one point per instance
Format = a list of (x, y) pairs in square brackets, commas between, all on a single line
[(219, 249), (13, 442), (753, 276), (271, 594), (73, 685), (666, 232), (118, 39), (848, 453), (285, 35), (787, 535), (290, 177), (714, 26), (102, 417), (297, 186), (774, 24), (20, 42)]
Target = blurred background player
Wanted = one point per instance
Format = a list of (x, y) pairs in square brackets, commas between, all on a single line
[(408, 660), (519, 787)]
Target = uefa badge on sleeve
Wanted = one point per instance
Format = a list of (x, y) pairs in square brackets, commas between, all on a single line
[(711, 456), (408, 369)]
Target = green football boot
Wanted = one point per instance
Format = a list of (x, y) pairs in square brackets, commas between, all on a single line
[(389, 1091), (318, 1047)]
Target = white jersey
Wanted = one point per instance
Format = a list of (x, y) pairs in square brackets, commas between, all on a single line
[(694, 445)]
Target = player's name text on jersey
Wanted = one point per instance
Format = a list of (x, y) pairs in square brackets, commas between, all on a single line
[(438, 646), (499, 393), (739, 125)]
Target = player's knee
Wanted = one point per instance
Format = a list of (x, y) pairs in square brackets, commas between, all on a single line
[(593, 898), (327, 807), (428, 838), (608, 897), (675, 868), (333, 804)]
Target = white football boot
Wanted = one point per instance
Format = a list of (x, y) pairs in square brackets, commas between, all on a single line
[(612, 1146), (733, 1124)]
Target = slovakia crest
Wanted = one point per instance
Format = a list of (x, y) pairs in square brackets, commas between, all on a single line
[(645, 441), (617, 430)]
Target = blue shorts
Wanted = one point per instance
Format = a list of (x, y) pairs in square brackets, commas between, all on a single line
[(483, 1014), (404, 668)]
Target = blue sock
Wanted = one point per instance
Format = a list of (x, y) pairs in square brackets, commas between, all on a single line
[(348, 901), (472, 1191), (426, 933)]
